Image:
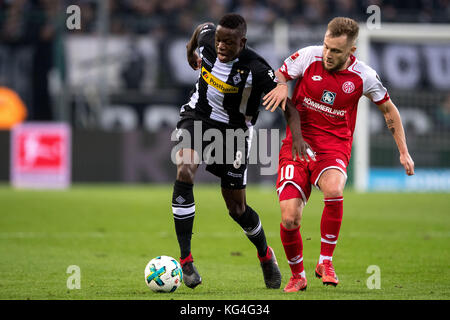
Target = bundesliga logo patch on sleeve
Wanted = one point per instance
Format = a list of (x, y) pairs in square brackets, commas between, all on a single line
[(294, 56)]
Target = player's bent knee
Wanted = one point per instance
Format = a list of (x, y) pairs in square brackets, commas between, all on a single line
[(334, 192), (291, 213), (291, 222), (291, 217), (236, 210), (234, 215)]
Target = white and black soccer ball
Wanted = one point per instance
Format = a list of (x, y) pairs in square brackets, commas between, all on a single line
[(163, 274)]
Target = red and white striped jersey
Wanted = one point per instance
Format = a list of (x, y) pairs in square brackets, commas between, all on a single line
[(327, 101)]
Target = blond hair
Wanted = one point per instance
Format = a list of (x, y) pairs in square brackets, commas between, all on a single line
[(343, 26)]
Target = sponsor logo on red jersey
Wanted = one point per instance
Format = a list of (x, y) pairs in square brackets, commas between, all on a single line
[(313, 105)]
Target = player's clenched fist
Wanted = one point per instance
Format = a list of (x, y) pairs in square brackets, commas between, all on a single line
[(408, 163), (194, 60)]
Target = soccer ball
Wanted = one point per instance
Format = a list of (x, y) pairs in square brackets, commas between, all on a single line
[(163, 274)]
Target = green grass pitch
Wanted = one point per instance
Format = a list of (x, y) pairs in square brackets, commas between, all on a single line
[(112, 231)]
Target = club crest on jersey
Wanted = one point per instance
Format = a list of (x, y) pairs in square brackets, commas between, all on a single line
[(316, 78), (348, 87), (328, 97), (237, 78)]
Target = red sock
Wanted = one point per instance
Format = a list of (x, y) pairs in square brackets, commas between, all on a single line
[(293, 247), (186, 260), (330, 225)]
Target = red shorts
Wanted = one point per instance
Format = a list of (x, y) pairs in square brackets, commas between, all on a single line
[(302, 174)]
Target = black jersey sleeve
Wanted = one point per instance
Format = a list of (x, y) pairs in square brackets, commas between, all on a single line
[(206, 35), (263, 81), (264, 77)]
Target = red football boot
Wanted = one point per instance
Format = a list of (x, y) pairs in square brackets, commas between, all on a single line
[(325, 271), (296, 283)]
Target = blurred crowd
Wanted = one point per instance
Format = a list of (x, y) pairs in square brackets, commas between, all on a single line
[(28, 21), (30, 24), (179, 16), (40, 25)]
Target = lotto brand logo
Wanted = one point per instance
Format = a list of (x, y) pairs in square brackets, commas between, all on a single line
[(348, 87), (328, 97), (340, 162)]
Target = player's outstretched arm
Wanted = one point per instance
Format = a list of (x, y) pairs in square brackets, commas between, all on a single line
[(192, 56), (394, 124), (277, 95), (299, 146)]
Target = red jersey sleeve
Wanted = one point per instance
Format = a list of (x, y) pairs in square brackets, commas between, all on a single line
[(295, 65), (373, 88)]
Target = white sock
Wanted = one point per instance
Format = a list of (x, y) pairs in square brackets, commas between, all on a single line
[(301, 274), (321, 258)]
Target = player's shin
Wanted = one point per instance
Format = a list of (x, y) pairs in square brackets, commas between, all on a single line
[(183, 209), (293, 247), (251, 224), (330, 226)]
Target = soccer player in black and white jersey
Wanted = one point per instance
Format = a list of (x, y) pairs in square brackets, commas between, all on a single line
[(226, 96)]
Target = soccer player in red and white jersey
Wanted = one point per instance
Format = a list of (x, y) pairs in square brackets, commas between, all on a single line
[(330, 81)]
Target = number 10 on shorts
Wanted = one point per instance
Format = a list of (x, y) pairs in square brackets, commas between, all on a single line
[(287, 172)]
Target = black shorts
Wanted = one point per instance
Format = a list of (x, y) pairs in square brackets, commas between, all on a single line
[(224, 150)]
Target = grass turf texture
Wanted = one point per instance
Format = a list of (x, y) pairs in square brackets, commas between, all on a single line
[(111, 232)]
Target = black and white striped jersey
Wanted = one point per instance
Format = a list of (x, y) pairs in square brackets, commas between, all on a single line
[(228, 93)]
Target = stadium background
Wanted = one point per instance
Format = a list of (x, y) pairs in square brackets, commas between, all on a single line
[(120, 79), (119, 82)]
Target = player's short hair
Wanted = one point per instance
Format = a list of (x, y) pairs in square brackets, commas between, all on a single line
[(234, 21), (343, 26)]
